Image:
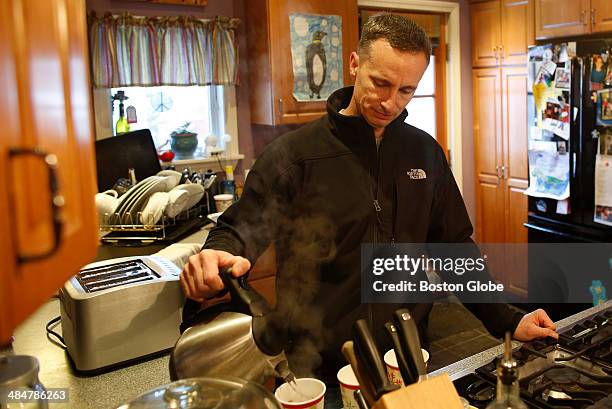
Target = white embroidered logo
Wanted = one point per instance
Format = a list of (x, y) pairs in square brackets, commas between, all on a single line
[(417, 174)]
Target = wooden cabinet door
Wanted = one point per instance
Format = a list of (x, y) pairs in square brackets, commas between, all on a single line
[(44, 109), (601, 16), (486, 33), (290, 110), (488, 149), (270, 62), (515, 174), (517, 30), (561, 18)]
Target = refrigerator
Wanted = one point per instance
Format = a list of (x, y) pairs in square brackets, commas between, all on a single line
[(570, 148), (552, 216)]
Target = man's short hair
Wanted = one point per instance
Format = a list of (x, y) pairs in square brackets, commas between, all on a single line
[(401, 32)]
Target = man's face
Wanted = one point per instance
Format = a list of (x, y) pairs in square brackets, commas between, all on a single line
[(385, 82)]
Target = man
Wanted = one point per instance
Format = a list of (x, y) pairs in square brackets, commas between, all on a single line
[(321, 191)]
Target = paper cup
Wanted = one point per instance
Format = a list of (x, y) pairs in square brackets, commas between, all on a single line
[(393, 372), (310, 394), (348, 386), (223, 201)]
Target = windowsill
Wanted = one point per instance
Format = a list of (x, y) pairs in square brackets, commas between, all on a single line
[(203, 164)]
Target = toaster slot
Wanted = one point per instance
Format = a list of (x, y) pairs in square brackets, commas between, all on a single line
[(114, 275)]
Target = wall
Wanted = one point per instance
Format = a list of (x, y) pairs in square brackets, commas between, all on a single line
[(234, 8), (467, 125)]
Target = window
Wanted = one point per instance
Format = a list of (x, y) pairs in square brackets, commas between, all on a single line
[(422, 108), (166, 108)]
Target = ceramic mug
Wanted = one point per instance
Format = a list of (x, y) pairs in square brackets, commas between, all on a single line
[(309, 394), (393, 372), (106, 204)]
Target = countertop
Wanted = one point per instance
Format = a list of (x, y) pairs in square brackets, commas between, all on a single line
[(106, 390)]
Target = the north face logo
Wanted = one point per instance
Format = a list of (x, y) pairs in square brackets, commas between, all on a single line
[(417, 174)]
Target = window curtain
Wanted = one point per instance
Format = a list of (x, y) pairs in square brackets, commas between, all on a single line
[(151, 51)]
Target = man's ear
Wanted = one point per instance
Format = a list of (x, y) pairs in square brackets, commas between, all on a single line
[(353, 64)]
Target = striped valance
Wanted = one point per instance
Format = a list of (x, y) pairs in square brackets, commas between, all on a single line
[(150, 51)]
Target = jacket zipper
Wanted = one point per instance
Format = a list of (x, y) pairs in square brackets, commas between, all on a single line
[(394, 212), (377, 209)]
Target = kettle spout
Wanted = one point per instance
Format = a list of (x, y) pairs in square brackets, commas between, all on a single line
[(282, 371)]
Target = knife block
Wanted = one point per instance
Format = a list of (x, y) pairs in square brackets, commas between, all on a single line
[(433, 393)]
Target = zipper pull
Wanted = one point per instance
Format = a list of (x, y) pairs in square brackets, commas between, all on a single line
[(377, 206)]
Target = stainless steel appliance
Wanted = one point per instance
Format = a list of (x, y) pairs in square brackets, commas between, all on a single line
[(575, 372), (241, 338), (120, 310), (206, 393)]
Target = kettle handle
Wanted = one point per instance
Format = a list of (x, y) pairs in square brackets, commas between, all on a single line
[(243, 295)]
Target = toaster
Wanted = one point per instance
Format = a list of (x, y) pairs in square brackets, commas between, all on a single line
[(120, 310)]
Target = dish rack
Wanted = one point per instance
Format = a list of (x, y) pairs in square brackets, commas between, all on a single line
[(127, 228)]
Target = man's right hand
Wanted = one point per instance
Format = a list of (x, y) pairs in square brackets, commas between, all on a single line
[(200, 276)]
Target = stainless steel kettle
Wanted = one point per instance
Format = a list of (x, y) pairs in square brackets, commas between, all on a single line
[(242, 338)]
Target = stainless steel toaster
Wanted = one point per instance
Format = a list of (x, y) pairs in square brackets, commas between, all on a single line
[(119, 310)]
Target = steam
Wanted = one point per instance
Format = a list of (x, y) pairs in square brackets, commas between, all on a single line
[(305, 241)]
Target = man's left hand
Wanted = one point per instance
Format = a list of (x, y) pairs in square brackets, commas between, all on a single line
[(536, 324)]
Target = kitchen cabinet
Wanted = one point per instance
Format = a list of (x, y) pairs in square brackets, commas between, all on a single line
[(563, 18), (500, 131), (502, 30), (500, 137), (48, 223), (269, 56), (601, 16)]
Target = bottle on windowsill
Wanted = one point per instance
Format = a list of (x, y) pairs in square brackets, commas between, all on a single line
[(229, 185), (508, 393)]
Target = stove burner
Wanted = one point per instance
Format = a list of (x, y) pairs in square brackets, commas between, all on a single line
[(562, 376), (481, 391)]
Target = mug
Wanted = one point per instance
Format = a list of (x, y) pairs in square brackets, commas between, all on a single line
[(223, 201), (106, 203), (348, 385), (393, 372), (308, 394)]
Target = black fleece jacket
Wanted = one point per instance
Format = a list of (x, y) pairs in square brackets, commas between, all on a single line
[(321, 191)]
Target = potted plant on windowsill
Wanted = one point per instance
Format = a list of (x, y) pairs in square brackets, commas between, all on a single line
[(183, 142)]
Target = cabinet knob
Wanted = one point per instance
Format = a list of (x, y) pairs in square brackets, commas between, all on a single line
[(280, 106), (593, 22), (582, 17)]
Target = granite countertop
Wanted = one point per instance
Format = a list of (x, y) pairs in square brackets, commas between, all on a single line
[(106, 390)]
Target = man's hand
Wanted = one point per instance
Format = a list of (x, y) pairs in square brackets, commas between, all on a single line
[(536, 324), (200, 276)]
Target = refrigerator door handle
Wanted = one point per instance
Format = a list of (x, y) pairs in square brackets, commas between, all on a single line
[(574, 168)]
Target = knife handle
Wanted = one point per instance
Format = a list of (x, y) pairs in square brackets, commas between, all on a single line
[(348, 350), (409, 339), (367, 353), (407, 376)]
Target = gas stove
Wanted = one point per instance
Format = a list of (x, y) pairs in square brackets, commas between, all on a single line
[(572, 372)]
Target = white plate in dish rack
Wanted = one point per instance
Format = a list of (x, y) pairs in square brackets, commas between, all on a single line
[(130, 194), (139, 202)]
